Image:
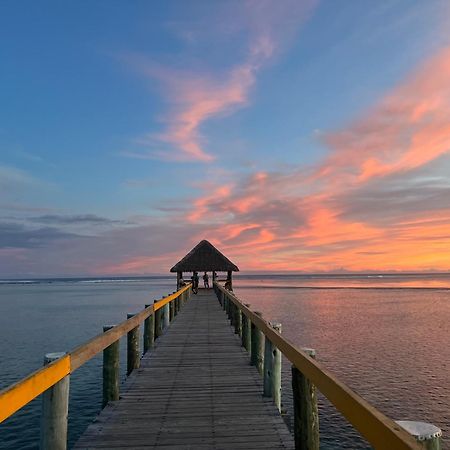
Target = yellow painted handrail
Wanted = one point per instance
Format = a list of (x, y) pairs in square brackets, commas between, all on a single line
[(381, 431), (22, 392)]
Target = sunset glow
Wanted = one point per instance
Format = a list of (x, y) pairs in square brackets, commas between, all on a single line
[(232, 131)]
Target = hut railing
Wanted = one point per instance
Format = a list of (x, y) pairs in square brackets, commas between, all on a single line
[(59, 366), (379, 430)]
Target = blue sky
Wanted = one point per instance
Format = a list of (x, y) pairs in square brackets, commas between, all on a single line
[(119, 119)]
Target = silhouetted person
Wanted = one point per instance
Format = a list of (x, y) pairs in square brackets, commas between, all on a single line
[(206, 280), (195, 282)]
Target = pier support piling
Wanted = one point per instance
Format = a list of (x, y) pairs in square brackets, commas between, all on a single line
[(110, 371), (246, 331), (237, 320), (149, 332), (257, 344), (55, 408), (133, 359), (166, 315), (306, 416), (428, 435), (272, 370), (158, 321)]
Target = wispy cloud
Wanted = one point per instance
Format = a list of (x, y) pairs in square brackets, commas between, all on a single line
[(195, 96)]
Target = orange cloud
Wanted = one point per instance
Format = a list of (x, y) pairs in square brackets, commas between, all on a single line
[(407, 129), (374, 203)]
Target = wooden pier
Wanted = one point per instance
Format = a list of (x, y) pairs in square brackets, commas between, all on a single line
[(199, 383), (195, 390)]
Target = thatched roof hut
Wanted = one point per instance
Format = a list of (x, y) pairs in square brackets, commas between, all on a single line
[(204, 257)]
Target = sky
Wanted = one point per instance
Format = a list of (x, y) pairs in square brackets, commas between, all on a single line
[(307, 136)]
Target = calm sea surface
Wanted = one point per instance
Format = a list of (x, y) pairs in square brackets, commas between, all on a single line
[(387, 337)]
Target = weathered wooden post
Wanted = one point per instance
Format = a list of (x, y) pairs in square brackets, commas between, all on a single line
[(428, 435), (246, 331), (272, 369), (306, 416), (232, 313), (237, 320), (55, 408), (171, 310), (257, 353), (149, 331), (230, 279), (111, 369), (133, 361), (158, 321), (166, 315)]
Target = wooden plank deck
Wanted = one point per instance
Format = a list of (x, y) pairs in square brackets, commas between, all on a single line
[(195, 390)]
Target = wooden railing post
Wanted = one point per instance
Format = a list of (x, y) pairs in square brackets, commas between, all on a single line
[(246, 331), (257, 353), (272, 370), (133, 360), (171, 310), (427, 434), (158, 321), (166, 315), (149, 331), (237, 320), (306, 416), (232, 313), (55, 408), (110, 371)]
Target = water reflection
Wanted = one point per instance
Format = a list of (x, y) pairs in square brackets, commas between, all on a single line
[(389, 345)]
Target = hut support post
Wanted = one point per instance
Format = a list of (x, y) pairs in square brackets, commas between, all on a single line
[(55, 408), (306, 416), (230, 279)]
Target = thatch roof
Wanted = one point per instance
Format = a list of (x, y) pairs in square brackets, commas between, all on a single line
[(202, 258)]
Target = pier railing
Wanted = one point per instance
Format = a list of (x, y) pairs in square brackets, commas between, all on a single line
[(52, 380), (264, 342)]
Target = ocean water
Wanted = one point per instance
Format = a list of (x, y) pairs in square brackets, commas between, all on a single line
[(386, 336)]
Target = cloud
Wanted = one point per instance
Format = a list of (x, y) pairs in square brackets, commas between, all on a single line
[(407, 129), (198, 96), (12, 179), (17, 236), (378, 201), (80, 219)]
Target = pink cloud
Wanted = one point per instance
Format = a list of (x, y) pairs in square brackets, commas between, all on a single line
[(407, 129), (194, 97), (363, 207)]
